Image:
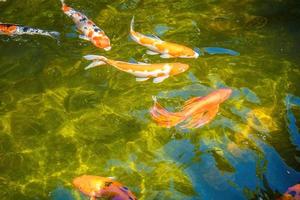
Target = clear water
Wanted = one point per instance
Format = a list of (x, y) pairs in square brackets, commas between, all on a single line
[(58, 121)]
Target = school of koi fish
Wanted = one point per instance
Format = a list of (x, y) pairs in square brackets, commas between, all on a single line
[(196, 112)]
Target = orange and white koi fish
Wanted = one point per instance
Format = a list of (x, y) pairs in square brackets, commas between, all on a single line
[(102, 187), (158, 46), (90, 31), (15, 29), (196, 112), (293, 193), (142, 71)]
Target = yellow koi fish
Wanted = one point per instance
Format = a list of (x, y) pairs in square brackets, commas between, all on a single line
[(143, 71), (158, 46), (196, 112)]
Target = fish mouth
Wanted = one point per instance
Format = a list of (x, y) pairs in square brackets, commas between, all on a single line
[(107, 48)]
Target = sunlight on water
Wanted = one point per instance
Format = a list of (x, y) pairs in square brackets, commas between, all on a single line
[(59, 121)]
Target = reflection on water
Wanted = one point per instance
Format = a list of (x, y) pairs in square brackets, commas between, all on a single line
[(58, 121), (290, 102)]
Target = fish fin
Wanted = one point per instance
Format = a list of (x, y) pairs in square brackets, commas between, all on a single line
[(190, 103), (149, 52), (54, 34), (112, 178), (62, 1), (154, 36), (163, 117), (83, 37), (141, 79), (133, 61), (166, 56), (201, 118), (132, 24), (95, 64), (94, 57), (93, 198), (160, 79)]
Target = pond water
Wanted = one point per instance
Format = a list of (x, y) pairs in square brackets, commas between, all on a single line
[(59, 121)]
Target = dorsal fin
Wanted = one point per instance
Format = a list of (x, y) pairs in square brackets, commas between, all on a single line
[(153, 36), (132, 61)]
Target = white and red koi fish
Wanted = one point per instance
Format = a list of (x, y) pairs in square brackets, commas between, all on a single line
[(102, 187), (158, 46), (142, 71), (89, 30), (15, 29), (196, 112)]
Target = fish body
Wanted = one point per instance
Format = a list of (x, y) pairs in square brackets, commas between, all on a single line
[(142, 71), (15, 29), (89, 30), (158, 46), (196, 112), (102, 187)]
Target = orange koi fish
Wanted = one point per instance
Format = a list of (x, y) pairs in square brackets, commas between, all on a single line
[(142, 71), (90, 31), (14, 29), (102, 187), (293, 193), (196, 112), (158, 46)]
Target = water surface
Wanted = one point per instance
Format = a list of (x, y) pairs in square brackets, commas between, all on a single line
[(58, 121)]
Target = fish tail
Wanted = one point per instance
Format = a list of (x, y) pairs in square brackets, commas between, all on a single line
[(97, 61), (132, 24), (165, 118), (62, 2)]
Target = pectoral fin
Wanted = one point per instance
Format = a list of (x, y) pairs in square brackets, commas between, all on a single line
[(160, 79), (94, 64), (149, 52), (166, 56), (84, 37), (141, 79), (93, 198)]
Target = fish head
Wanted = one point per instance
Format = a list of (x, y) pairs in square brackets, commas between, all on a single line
[(89, 185), (178, 68), (224, 93), (102, 42), (189, 53)]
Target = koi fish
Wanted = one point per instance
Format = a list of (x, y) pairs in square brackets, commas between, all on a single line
[(293, 193), (142, 71), (97, 187), (15, 29), (196, 112), (89, 30), (158, 46)]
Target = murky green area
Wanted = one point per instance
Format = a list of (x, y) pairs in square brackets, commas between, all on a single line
[(58, 121)]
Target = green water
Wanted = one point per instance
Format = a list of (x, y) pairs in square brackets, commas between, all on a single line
[(58, 121)]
